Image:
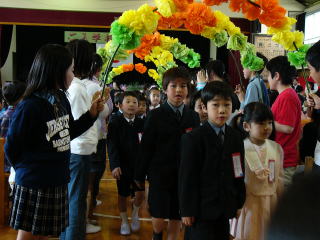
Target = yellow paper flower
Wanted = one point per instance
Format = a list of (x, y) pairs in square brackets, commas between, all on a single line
[(143, 21), (222, 20), (287, 39), (165, 7), (285, 27), (167, 42), (210, 32), (154, 74), (159, 56), (232, 29), (149, 18), (118, 70)]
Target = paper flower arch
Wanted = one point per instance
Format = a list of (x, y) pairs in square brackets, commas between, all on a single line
[(136, 32)]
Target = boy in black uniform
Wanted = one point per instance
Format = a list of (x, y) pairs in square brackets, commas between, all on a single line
[(123, 140), (211, 183), (160, 148)]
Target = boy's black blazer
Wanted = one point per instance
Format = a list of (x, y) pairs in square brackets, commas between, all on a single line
[(123, 143), (160, 145), (208, 188)]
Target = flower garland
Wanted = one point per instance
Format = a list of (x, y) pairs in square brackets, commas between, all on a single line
[(198, 18), (139, 67), (153, 47), (135, 30)]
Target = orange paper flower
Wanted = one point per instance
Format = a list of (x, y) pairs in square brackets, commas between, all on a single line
[(236, 5), (213, 2), (140, 68), (175, 21), (127, 67), (199, 16), (273, 15), (251, 11), (147, 43), (181, 5)]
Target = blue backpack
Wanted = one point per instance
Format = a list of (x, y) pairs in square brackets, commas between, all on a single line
[(262, 91)]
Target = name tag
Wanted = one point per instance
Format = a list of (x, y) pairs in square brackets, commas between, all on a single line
[(272, 169), (188, 130), (237, 168)]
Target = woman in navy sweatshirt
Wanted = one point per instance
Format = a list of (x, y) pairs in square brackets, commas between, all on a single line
[(38, 145)]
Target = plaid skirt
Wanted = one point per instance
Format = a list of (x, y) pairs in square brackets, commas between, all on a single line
[(40, 211)]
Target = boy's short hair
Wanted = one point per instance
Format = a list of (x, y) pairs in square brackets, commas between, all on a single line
[(265, 61), (174, 73), (313, 56), (281, 65), (13, 91), (214, 89), (126, 94)]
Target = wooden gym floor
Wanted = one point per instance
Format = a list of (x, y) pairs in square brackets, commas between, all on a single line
[(107, 215)]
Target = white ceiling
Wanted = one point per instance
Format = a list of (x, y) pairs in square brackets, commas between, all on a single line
[(113, 6)]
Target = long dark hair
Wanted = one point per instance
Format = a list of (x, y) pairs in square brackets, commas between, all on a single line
[(48, 70), (82, 52), (96, 65)]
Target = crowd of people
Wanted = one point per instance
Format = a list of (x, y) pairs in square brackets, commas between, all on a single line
[(217, 159)]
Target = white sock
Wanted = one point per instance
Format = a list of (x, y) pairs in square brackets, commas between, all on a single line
[(135, 211), (124, 217)]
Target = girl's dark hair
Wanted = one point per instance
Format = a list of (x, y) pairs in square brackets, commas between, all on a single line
[(218, 68), (175, 73), (13, 91), (82, 52), (313, 56), (48, 70), (253, 112), (281, 65), (194, 99), (96, 65)]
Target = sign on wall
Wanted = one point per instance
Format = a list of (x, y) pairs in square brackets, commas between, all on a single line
[(92, 37), (268, 48)]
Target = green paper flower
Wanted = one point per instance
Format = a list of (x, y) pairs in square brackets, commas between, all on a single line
[(251, 61), (186, 55), (220, 39), (124, 36), (237, 42), (111, 75), (298, 58)]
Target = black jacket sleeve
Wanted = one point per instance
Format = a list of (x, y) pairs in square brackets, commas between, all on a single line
[(113, 144), (147, 147), (189, 177)]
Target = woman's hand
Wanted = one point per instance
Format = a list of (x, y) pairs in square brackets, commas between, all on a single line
[(313, 101)]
